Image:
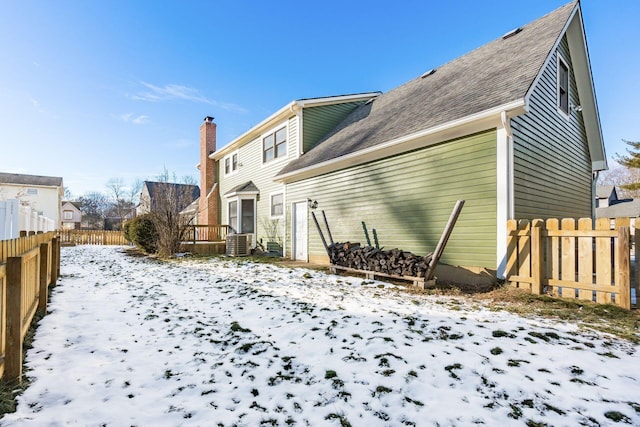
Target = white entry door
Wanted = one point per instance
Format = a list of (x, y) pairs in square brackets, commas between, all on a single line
[(300, 220)]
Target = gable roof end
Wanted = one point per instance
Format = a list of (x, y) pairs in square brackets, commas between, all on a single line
[(471, 91)]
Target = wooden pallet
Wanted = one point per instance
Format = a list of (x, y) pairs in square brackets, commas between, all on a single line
[(418, 282)]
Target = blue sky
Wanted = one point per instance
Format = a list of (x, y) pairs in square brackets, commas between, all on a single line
[(93, 90)]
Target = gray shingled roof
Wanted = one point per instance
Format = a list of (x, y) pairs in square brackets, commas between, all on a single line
[(604, 191), (626, 209), (14, 178), (155, 188), (247, 187), (493, 75)]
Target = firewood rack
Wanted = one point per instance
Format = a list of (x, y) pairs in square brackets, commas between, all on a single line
[(429, 280)]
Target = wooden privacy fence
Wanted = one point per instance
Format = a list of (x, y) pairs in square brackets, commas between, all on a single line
[(583, 262), (92, 237), (28, 265)]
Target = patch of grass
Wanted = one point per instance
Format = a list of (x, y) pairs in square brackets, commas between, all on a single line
[(617, 417), (380, 390), (532, 423), (514, 363), (499, 333), (341, 419), (609, 355), (606, 318), (451, 368), (330, 374), (415, 402), (235, 327), (516, 412), (496, 351)]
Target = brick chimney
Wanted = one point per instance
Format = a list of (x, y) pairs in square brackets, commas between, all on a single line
[(208, 207)]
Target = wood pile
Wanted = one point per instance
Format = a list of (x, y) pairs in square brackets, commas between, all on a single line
[(393, 262)]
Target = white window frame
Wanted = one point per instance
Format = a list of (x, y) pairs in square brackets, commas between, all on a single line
[(273, 131), (67, 215), (560, 64), (233, 166), (271, 195), (238, 198)]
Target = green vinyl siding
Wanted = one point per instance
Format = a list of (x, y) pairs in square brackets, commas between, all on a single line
[(408, 198), (552, 167), (318, 121)]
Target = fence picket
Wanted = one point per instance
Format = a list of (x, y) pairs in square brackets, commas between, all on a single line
[(553, 250), (590, 262), (604, 259), (585, 258), (524, 253), (568, 254)]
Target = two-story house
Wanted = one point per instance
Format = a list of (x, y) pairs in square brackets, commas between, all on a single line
[(40, 195), (511, 127), (237, 181), (71, 215)]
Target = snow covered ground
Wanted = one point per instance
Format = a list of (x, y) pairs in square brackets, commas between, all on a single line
[(134, 341)]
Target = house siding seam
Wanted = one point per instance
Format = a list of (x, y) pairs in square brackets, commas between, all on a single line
[(408, 198), (318, 121), (552, 166)]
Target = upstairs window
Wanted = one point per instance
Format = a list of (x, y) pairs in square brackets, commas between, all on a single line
[(274, 145), (231, 164), (67, 215), (563, 86), (32, 191)]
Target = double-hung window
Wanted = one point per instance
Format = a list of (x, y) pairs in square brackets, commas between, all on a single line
[(277, 205), (274, 145), (563, 86), (231, 164)]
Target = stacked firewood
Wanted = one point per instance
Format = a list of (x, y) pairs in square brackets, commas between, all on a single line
[(394, 262)]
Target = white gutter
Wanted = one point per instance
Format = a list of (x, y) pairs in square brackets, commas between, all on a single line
[(489, 118), (282, 114)]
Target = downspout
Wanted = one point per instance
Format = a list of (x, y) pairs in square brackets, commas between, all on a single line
[(506, 123), (504, 176), (594, 187)]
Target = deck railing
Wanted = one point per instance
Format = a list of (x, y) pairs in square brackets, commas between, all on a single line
[(205, 233)]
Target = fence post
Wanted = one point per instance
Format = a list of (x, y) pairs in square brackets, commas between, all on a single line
[(55, 260), (13, 334), (636, 245), (624, 265), (537, 249), (512, 249), (45, 276)]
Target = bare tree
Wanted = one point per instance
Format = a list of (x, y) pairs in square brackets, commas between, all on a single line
[(623, 179), (94, 207), (123, 198), (166, 201)]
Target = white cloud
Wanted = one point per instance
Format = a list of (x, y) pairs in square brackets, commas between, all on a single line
[(132, 118), (171, 92)]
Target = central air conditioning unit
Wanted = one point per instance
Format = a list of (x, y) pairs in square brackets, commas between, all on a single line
[(238, 244)]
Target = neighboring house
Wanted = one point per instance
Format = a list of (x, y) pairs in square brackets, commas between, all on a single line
[(71, 215), (609, 206), (606, 195), (166, 195), (511, 127), (41, 194)]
